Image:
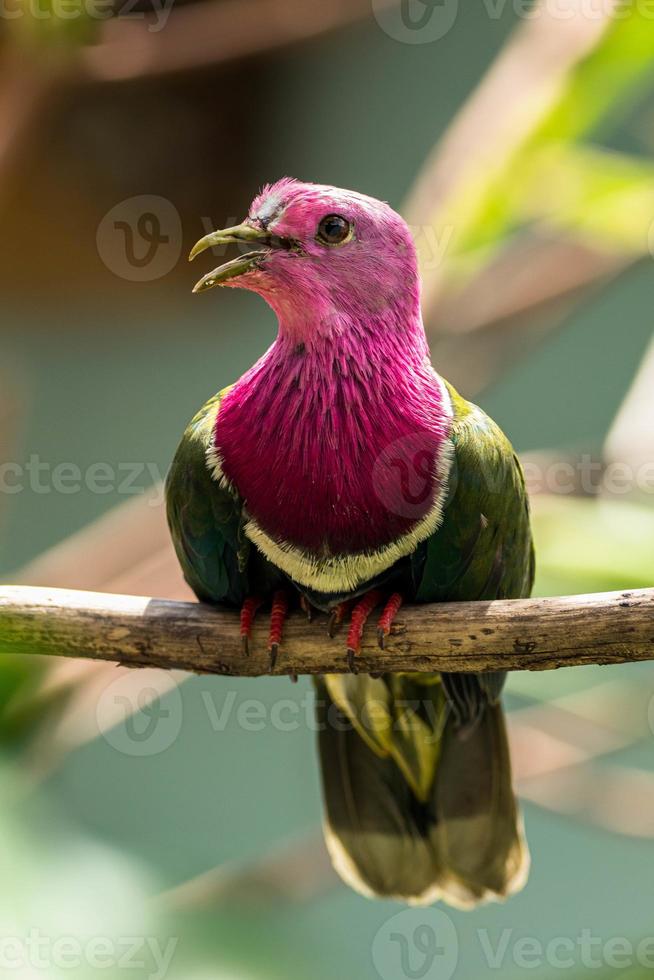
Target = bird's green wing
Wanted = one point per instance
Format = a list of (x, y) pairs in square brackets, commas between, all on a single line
[(483, 549), (204, 517)]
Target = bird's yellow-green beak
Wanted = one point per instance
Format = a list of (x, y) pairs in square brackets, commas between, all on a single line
[(245, 234)]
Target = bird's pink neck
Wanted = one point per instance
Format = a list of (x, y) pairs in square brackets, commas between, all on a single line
[(333, 443)]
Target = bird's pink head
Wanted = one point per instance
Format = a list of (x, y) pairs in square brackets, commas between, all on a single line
[(324, 259)]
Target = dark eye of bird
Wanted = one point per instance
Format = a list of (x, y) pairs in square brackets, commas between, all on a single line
[(333, 229)]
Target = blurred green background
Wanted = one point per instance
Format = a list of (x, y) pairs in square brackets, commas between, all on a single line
[(100, 832)]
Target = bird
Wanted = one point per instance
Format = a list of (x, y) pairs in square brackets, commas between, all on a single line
[(341, 473)]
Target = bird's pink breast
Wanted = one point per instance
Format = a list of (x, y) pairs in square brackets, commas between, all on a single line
[(331, 451)]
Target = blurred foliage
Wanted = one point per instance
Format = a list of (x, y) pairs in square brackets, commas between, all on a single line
[(56, 27), (75, 908), (61, 887), (587, 545), (539, 180), (24, 703), (601, 197)]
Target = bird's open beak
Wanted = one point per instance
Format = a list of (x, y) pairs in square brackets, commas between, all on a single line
[(243, 263)]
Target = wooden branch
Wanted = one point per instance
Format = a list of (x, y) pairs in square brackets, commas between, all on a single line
[(510, 634)]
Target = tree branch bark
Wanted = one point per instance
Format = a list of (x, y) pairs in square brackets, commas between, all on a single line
[(508, 634)]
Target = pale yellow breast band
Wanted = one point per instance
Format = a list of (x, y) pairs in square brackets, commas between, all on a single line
[(345, 573)]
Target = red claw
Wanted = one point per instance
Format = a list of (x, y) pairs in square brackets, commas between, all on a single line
[(248, 612), (386, 619), (277, 617), (337, 616), (360, 614)]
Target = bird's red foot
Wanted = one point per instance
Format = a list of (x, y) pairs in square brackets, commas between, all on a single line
[(277, 617), (337, 616), (386, 619), (278, 614), (248, 612), (360, 614)]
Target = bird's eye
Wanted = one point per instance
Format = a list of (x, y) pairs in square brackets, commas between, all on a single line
[(334, 230)]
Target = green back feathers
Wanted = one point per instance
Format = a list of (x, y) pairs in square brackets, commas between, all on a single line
[(205, 517), (206, 520), (483, 549)]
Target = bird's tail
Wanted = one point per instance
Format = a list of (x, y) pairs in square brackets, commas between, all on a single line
[(417, 806)]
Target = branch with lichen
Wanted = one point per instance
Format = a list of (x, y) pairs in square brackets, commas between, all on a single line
[(506, 634)]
